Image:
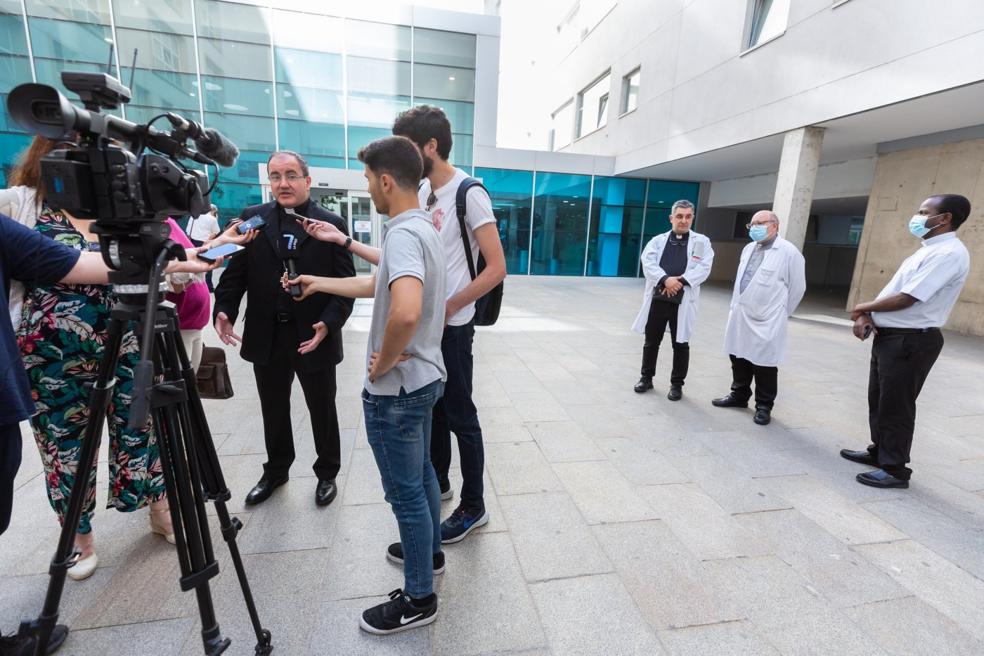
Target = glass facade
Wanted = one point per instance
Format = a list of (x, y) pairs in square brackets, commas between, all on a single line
[(266, 78), (572, 225)]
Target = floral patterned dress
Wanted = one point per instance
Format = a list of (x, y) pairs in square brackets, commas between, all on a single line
[(62, 339)]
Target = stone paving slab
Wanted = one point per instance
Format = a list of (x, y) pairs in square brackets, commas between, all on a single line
[(677, 528)]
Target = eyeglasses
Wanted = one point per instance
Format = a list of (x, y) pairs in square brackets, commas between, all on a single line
[(291, 178), (748, 226)]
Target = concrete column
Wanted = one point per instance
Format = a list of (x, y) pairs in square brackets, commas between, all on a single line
[(796, 179)]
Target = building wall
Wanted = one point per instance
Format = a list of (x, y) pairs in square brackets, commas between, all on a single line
[(701, 91), (902, 181)]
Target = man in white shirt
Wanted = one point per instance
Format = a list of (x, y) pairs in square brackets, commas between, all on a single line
[(905, 319), (430, 129), (202, 228)]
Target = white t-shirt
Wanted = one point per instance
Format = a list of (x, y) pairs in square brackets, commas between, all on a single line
[(202, 227), (444, 216), (934, 276)]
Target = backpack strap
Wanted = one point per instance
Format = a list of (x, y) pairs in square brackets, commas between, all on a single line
[(460, 208)]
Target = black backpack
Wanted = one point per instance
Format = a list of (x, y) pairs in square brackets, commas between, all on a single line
[(488, 306)]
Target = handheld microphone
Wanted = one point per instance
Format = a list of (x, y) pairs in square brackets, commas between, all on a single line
[(210, 142), (291, 263)]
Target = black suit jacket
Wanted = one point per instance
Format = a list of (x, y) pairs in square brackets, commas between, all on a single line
[(256, 272)]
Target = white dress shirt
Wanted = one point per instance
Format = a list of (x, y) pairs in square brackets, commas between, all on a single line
[(934, 276)]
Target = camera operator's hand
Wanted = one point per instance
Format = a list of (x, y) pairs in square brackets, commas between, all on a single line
[(323, 231), (224, 329)]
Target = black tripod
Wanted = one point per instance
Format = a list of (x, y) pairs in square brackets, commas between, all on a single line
[(164, 385)]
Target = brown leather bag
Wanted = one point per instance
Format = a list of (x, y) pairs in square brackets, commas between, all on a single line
[(213, 375)]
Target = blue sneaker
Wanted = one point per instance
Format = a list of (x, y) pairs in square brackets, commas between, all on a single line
[(462, 521)]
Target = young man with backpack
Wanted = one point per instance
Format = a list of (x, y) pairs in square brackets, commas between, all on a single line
[(456, 413)]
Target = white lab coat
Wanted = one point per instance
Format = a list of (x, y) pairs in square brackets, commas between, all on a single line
[(757, 322), (700, 256)]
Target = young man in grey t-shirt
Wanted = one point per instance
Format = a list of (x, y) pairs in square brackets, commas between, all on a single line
[(405, 377)]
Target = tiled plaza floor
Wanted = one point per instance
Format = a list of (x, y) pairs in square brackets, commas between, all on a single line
[(621, 523)]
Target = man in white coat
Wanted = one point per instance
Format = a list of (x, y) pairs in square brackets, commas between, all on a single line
[(770, 284), (675, 264)]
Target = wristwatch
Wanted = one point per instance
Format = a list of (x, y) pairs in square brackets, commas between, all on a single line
[(348, 242)]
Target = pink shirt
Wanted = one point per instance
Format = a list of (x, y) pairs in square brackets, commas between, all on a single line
[(194, 304)]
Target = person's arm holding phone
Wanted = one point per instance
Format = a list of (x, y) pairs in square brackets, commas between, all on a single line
[(325, 231)]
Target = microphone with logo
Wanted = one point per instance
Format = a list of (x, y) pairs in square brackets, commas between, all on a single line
[(291, 263)]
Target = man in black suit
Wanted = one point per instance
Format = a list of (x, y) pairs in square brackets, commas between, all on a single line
[(283, 337)]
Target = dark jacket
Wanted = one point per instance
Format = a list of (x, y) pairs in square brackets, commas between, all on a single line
[(256, 272)]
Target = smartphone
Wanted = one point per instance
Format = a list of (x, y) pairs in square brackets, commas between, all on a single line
[(225, 250), (253, 223), (866, 332)]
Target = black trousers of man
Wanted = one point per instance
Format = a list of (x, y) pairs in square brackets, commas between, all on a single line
[(661, 314), (273, 383), (10, 460), (900, 362), (766, 382)]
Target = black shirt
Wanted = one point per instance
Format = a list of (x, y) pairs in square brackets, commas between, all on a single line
[(289, 233), (673, 261)]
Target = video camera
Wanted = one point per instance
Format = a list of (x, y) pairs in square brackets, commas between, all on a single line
[(106, 175)]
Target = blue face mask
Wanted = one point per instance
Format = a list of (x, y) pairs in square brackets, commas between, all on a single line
[(917, 225), (758, 232)]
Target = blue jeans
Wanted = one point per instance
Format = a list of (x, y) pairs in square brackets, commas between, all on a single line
[(456, 413), (398, 428)]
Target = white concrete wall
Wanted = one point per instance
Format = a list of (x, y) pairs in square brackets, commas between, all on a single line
[(839, 180), (700, 92)]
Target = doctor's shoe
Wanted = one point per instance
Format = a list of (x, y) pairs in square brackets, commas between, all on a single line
[(399, 614), (675, 393), (762, 416), (880, 478), (644, 385), (729, 401), (263, 489)]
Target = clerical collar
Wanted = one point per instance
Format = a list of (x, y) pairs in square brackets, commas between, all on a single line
[(301, 209)]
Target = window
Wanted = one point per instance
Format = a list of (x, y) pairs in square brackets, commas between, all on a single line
[(768, 20), (617, 207), (560, 126), (592, 106), (630, 91), (560, 224), (512, 199)]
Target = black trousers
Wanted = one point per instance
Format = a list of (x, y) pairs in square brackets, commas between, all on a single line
[(661, 314), (273, 383), (10, 460), (766, 382), (456, 413), (900, 364)]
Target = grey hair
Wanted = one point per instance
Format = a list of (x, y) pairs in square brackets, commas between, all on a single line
[(685, 204)]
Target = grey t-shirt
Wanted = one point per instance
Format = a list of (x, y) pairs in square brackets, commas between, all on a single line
[(411, 247)]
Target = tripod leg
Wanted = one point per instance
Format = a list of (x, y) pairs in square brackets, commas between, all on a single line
[(65, 556), (201, 450)]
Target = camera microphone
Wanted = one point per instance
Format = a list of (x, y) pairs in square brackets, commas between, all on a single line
[(210, 142), (291, 263)]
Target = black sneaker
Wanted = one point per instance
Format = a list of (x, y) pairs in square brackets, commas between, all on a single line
[(462, 521), (446, 492), (398, 614), (394, 554)]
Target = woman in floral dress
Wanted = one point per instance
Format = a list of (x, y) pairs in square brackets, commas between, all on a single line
[(62, 336)]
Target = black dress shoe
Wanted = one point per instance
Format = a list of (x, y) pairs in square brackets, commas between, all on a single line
[(325, 492), (763, 416), (262, 490), (675, 393), (729, 401), (644, 385), (880, 478), (864, 457)]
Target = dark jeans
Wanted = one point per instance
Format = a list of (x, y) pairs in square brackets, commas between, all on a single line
[(900, 364), (398, 429), (766, 382), (10, 460), (273, 383), (456, 413), (660, 314)]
